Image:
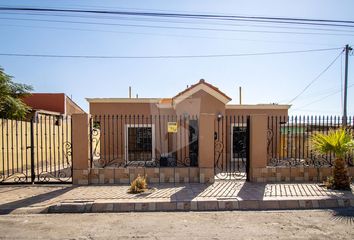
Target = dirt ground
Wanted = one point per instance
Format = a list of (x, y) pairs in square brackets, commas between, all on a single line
[(306, 224)]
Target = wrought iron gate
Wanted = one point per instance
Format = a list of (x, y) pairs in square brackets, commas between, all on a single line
[(36, 151), (231, 148), (143, 141)]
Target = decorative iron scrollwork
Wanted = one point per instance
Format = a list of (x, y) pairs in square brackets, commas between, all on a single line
[(218, 149), (315, 160), (186, 162), (18, 177), (270, 144), (62, 175), (67, 146)]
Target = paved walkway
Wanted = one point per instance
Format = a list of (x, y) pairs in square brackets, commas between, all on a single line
[(222, 195)]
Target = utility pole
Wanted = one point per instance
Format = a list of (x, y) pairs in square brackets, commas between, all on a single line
[(347, 50)]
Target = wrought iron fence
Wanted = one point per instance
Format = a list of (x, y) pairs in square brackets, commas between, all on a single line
[(146, 141), (36, 151), (289, 140)]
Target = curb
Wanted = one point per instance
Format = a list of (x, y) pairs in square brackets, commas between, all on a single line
[(24, 210), (202, 205)]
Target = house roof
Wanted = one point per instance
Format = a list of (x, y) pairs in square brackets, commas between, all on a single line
[(202, 85)]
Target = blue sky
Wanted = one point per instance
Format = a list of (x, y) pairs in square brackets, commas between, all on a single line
[(264, 79)]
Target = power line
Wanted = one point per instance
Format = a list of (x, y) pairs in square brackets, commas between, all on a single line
[(101, 7), (175, 27), (170, 14), (164, 34), (129, 18), (316, 94), (329, 95), (165, 56), (207, 37), (307, 21), (316, 78)]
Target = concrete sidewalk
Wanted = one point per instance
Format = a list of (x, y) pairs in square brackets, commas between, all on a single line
[(222, 195)]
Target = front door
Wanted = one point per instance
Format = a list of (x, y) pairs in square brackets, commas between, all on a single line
[(231, 147), (239, 146)]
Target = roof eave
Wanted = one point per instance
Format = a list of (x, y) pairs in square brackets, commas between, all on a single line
[(201, 86)]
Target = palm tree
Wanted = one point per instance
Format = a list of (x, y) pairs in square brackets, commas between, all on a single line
[(339, 142)]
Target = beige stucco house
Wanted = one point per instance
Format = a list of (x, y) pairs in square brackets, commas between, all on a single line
[(167, 131)]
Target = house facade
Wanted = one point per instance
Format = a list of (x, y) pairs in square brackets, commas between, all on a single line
[(166, 132)]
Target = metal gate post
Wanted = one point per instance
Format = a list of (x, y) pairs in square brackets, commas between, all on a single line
[(91, 141), (248, 150), (33, 173)]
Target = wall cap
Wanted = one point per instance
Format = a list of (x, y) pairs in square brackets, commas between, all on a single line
[(123, 100), (257, 106)]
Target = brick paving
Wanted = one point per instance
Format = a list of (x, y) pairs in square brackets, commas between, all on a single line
[(222, 195)]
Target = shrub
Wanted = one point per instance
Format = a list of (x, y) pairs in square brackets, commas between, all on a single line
[(339, 142), (138, 185)]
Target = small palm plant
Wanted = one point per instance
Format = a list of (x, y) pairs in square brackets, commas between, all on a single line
[(339, 142)]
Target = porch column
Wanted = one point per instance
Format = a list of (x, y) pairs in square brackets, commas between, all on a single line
[(258, 145), (80, 147), (206, 147)]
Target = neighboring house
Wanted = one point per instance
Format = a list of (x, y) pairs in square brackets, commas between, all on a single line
[(48, 130), (130, 130), (54, 104)]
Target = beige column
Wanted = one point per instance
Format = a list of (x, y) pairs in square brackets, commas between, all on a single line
[(258, 144), (80, 146), (206, 147)]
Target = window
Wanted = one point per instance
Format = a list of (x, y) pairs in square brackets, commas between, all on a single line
[(140, 143)]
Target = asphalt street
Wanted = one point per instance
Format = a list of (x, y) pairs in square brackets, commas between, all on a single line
[(297, 224)]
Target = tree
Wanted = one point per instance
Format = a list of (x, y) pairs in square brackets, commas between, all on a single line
[(11, 94), (339, 142)]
